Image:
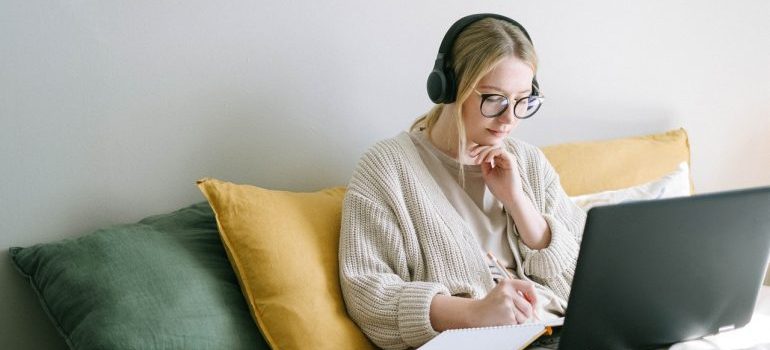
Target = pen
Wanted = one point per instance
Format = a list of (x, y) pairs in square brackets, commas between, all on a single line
[(508, 275)]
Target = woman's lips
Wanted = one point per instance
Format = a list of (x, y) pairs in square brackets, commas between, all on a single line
[(497, 133)]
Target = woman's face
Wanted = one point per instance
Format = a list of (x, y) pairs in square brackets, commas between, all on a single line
[(511, 77)]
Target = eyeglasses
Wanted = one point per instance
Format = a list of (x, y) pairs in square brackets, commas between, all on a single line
[(494, 105)]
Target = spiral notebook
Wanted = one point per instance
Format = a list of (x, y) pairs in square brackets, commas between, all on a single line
[(510, 337)]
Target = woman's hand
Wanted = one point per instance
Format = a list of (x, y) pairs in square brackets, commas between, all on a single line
[(501, 174), (499, 170), (510, 302)]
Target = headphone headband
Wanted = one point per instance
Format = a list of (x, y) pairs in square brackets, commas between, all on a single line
[(442, 85), (456, 28)]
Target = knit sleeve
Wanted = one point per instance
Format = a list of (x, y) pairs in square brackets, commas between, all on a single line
[(392, 311), (554, 265)]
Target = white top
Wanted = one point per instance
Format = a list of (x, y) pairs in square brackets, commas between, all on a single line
[(484, 214)]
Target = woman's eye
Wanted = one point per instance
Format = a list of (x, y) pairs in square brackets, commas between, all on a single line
[(496, 98)]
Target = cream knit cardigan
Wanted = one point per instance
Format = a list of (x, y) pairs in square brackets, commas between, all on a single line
[(402, 242)]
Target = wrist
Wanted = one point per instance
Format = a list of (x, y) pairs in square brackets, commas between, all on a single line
[(471, 311), (450, 312), (514, 200), (518, 195)]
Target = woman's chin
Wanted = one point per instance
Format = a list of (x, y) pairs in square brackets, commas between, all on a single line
[(489, 140)]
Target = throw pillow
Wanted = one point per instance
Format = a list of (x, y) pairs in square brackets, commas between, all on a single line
[(283, 247), (596, 166), (161, 283), (675, 184)]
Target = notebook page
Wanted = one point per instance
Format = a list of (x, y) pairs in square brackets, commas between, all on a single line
[(511, 337), (557, 322)]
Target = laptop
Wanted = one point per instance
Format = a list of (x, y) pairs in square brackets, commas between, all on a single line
[(652, 273)]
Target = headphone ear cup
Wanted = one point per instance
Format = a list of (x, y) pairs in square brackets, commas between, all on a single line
[(437, 86), (451, 86)]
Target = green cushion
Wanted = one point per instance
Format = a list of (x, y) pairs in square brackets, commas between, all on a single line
[(162, 283)]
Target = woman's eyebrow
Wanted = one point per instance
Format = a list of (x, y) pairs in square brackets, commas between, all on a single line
[(503, 91)]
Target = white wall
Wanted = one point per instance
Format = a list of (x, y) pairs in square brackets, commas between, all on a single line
[(112, 109)]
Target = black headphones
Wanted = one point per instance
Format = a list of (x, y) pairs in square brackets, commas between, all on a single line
[(442, 85)]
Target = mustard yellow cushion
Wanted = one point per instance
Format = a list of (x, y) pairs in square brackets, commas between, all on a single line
[(595, 166), (283, 247)]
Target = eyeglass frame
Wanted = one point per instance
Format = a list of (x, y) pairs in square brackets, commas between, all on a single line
[(484, 97)]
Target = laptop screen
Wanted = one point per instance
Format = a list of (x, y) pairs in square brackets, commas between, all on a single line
[(657, 272)]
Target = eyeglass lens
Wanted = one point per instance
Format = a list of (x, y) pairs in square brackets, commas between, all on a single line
[(494, 105)]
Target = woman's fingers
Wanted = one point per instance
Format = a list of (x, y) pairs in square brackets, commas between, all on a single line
[(523, 307), (531, 296), (527, 289), (485, 154), (480, 148), (476, 149), (492, 155)]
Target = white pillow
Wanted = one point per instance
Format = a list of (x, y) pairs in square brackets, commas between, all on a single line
[(674, 184)]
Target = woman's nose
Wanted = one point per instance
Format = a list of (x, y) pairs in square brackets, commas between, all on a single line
[(507, 117)]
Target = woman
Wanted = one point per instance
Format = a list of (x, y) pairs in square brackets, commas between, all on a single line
[(424, 209)]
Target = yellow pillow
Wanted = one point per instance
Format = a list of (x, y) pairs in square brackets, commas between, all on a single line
[(595, 166), (283, 247)]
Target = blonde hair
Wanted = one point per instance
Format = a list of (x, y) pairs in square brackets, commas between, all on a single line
[(478, 48)]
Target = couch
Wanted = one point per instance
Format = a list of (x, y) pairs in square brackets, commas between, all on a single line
[(254, 268)]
